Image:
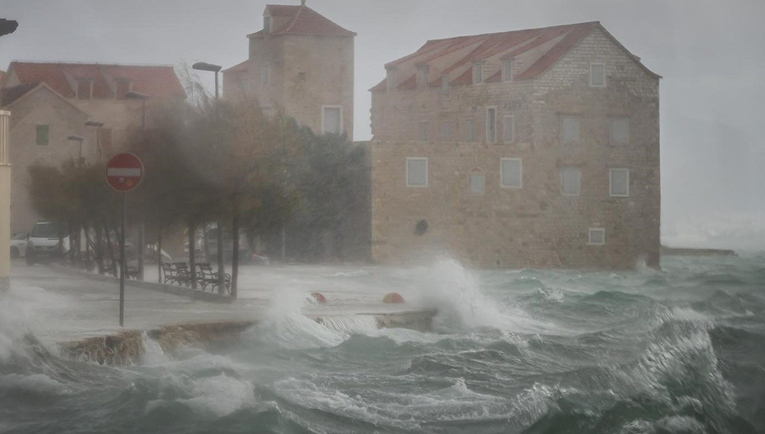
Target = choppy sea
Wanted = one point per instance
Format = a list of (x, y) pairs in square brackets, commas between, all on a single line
[(676, 350)]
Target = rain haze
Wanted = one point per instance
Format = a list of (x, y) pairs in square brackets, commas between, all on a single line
[(709, 54)]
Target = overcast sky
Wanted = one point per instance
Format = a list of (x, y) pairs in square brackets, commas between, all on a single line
[(711, 54)]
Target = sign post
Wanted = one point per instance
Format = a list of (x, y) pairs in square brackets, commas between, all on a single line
[(124, 173)]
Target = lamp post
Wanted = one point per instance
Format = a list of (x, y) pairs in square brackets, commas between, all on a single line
[(141, 230), (99, 245), (80, 140), (204, 66)]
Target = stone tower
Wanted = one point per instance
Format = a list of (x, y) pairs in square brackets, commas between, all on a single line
[(302, 63)]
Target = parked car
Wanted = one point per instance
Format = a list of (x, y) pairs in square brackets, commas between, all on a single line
[(19, 245), (43, 242)]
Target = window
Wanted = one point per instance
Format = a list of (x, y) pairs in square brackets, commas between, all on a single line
[(511, 173), (391, 78), (422, 131), (477, 183), (596, 236), (597, 75), (84, 88), (570, 181), (43, 135), (620, 131), (446, 131), (507, 70), (477, 72), (469, 130), (422, 75), (123, 86), (491, 125), (416, 172), (569, 131), (332, 119), (445, 85), (265, 74), (619, 182), (267, 24), (508, 124)]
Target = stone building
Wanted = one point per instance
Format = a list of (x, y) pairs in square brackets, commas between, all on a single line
[(52, 101), (530, 148), (301, 63)]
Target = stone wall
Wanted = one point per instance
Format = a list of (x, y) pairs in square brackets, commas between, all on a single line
[(536, 225)]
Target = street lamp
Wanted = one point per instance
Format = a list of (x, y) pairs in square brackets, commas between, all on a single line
[(77, 139), (204, 66), (97, 126), (143, 97)]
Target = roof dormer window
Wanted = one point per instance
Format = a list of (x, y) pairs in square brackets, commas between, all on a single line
[(477, 72), (445, 84), (507, 70), (422, 75), (84, 88), (390, 79), (267, 24)]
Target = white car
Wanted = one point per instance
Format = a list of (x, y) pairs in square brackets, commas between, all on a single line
[(19, 245), (44, 242)]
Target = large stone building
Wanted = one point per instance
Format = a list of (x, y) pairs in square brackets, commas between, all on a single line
[(301, 63), (52, 101), (531, 148)]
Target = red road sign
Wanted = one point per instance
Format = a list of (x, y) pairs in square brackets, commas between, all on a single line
[(124, 172)]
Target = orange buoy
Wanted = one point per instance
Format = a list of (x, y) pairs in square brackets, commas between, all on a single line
[(393, 297), (320, 298)]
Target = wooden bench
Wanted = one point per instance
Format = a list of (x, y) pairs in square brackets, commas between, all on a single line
[(182, 273), (207, 277)]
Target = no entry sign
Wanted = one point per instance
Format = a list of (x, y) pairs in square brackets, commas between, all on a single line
[(124, 172)]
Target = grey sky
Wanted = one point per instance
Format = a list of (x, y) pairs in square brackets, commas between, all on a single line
[(710, 53)]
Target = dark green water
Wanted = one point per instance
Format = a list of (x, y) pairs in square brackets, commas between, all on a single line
[(675, 351)]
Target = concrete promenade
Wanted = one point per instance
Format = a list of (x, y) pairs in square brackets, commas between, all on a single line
[(65, 307)]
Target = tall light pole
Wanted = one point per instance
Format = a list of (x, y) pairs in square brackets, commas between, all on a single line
[(141, 243), (80, 140), (99, 245), (204, 66)]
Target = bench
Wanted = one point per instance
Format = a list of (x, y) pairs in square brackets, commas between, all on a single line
[(207, 277), (182, 274), (132, 272)]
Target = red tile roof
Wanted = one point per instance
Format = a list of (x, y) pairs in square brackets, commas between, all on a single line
[(539, 49), (303, 21), (155, 81)]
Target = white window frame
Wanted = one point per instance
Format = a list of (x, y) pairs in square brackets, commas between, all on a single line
[(579, 184), (494, 139), (613, 120), (563, 129), (449, 126), (427, 172), (504, 128), (470, 182), (478, 73), (507, 70), (502, 173), (469, 125), (589, 236), (604, 74), (265, 74), (324, 107), (422, 127), (611, 179)]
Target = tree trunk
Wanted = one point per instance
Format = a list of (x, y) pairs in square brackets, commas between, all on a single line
[(235, 255), (159, 254), (99, 249), (206, 242), (192, 256), (110, 247)]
